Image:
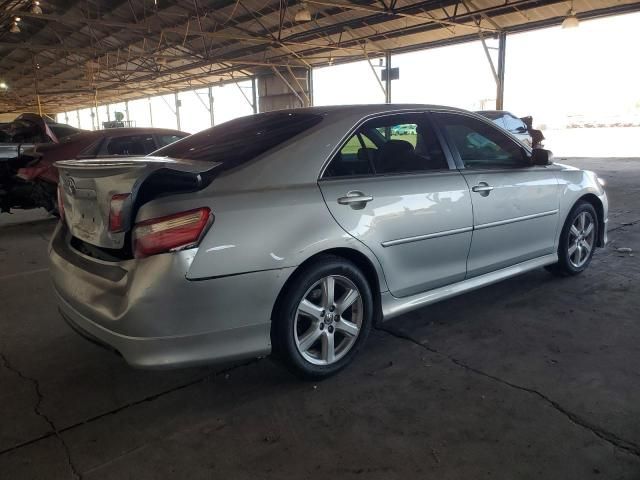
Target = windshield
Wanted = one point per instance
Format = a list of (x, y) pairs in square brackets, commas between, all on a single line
[(239, 141)]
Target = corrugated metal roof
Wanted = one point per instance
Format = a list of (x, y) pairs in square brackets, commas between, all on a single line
[(75, 52)]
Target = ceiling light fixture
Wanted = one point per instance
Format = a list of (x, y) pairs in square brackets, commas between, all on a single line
[(35, 8), (14, 28), (3, 86), (303, 15), (571, 21)]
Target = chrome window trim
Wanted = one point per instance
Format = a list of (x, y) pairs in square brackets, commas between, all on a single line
[(381, 176)]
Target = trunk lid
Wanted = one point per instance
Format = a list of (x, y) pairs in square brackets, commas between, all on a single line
[(87, 187)]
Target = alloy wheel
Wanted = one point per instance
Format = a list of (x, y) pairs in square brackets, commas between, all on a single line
[(581, 239), (328, 320)]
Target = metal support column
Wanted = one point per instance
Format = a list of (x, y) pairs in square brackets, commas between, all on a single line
[(254, 94), (150, 112), (95, 102), (502, 45), (387, 85), (211, 116), (126, 111), (176, 101), (310, 85)]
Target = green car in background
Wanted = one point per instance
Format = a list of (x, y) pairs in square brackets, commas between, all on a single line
[(404, 130)]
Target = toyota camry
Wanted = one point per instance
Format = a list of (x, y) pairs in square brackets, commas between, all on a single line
[(295, 232)]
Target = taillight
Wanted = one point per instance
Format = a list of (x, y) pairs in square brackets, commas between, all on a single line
[(171, 233), (60, 202), (116, 217)]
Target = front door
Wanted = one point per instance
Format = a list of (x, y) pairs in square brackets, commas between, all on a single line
[(515, 204), (391, 187)]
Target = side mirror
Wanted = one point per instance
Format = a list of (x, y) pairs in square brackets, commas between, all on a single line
[(540, 156)]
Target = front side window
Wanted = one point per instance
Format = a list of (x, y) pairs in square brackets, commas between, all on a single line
[(480, 144), (395, 144)]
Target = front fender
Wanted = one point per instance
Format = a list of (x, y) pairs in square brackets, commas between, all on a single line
[(575, 184)]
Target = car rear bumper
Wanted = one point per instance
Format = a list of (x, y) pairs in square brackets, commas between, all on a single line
[(154, 317), (171, 352)]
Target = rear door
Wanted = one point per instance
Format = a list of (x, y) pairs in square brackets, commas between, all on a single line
[(515, 204), (392, 187)]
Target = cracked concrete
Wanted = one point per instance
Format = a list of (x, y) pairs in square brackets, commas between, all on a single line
[(38, 411), (535, 377), (610, 437)]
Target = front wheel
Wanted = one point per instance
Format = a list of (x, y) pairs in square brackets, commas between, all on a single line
[(577, 241), (323, 317)]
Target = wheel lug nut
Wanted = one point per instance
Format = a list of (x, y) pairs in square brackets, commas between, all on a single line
[(322, 313), (322, 326), (332, 308), (331, 329)]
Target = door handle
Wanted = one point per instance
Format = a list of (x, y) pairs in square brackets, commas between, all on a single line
[(483, 188), (355, 199)]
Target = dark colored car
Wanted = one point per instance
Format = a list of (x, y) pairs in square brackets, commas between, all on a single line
[(521, 128), (33, 179), (31, 129)]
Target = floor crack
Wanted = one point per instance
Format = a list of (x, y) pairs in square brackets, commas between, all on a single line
[(57, 432), (605, 435), (41, 414), (623, 225)]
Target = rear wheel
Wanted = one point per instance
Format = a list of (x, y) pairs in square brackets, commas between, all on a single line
[(323, 317), (577, 241)]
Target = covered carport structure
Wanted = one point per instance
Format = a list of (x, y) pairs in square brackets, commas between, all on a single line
[(57, 55), (534, 377)]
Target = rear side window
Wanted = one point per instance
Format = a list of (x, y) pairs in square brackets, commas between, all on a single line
[(62, 131), (164, 140), (128, 145), (238, 141), (395, 144)]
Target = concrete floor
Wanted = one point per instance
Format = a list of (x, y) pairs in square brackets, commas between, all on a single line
[(536, 377)]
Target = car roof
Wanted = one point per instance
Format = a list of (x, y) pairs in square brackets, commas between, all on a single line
[(119, 132), (371, 109)]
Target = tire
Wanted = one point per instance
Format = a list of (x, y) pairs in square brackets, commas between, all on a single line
[(577, 245), (307, 323)]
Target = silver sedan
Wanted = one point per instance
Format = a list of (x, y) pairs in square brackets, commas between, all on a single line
[(294, 232)]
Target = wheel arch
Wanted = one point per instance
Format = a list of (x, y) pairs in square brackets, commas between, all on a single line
[(363, 262), (596, 203)]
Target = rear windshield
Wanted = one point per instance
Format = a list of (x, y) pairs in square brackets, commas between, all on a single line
[(238, 141), (492, 115)]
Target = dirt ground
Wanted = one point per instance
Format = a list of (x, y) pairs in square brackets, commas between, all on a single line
[(533, 378)]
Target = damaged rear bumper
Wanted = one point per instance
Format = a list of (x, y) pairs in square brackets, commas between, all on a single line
[(149, 312)]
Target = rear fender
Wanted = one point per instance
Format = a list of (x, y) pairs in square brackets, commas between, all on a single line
[(260, 230)]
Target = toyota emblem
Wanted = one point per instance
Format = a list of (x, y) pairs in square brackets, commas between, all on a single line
[(70, 186)]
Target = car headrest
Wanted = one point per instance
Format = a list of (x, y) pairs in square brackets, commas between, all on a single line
[(364, 154), (396, 147)]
